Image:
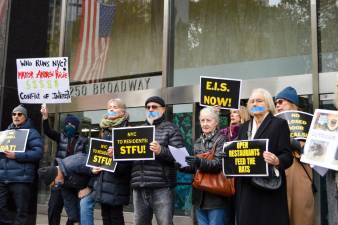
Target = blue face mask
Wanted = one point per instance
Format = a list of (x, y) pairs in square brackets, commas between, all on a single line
[(69, 130), (153, 114), (257, 109), (111, 113)]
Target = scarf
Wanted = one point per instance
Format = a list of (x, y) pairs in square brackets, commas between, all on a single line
[(109, 123)]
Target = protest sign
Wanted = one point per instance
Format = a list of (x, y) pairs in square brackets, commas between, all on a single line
[(43, 80), (321, 147), (224, 93), (98, 155), (245, 158), (13, 140), (299, 123), (132, 143)]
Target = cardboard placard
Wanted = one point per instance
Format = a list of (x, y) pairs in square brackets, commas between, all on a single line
[(222, 92), (299, 123), (132, 143), (13, 140), (245, 158), (98, 155), (321, 147), (43, 80)]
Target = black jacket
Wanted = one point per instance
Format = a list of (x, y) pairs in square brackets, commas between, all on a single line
[(204, 199), (160, 172), (80, 145)]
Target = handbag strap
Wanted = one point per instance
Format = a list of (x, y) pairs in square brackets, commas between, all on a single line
[(213, 149), (314, 188)]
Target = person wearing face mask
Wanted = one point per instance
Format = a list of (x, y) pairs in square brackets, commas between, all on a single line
[(253, 204), (69, 142), (153, 181), (299, 176), (18, 171), (211, 209)]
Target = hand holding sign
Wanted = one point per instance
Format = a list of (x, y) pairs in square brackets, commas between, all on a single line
[(44, 111), (9, 154), (110, 151), (271, 158), (155, 147)]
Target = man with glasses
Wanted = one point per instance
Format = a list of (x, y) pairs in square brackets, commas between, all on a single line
[(154, 181), (18, 170), (298, 175), (69, 142)]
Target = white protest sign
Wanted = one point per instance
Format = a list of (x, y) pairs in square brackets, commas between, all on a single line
[(43, 80)]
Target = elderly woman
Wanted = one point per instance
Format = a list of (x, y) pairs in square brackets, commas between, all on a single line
[(211, 209), (237, 117), (112, 190), (254, 205)]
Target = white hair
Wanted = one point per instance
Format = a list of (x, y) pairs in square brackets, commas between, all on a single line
[(210, 111), (267, 98)]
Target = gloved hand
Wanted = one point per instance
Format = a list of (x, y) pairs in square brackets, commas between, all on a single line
[(193, 161)]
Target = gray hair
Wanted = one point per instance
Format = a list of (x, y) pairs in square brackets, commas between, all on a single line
[(267, 98), (118, 102), (210, 111)]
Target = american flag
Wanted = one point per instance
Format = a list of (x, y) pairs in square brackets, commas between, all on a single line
[(92, 50)]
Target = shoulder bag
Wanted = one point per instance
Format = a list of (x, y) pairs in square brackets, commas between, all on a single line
[(215, 183)]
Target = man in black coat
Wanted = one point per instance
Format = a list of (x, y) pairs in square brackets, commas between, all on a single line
[(154, 181), (18, 170), (69, 142)]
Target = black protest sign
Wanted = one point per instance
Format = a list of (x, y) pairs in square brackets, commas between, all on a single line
[(132, 143), (98, 155), (245, 158), (224, 93), (299, 123), (13, 140)]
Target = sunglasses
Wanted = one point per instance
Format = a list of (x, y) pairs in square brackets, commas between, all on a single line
[(279, 101), (17, 114), (153, 107)]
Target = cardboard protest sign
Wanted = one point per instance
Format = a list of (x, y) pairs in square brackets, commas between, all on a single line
[(299, 123), (224, 93), (321, 147), (132, 143), (43, 80), (13, 140), (245, 158), (98, 155)]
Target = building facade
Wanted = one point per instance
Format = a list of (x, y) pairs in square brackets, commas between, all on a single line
[(132, 49)]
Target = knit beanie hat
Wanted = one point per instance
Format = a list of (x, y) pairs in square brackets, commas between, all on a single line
[(74, 120), (155, 99), (20, 109), (290, 94), (48, 174)]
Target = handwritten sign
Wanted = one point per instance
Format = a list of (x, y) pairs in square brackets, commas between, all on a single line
[(321, 147), (245, 158), (98, 155), (224, 93), (299, 123), (43, 80), (132, 143), (13, 140)]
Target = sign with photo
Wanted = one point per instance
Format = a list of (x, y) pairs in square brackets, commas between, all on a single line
[(222, 92), (13, 140), (98, 155), (321, 147), (299, 123), (43, 80), (245, 158), (132, 143)]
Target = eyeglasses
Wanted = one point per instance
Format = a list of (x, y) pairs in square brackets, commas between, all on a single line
[(279, 101), (153, 107), (17, 114)]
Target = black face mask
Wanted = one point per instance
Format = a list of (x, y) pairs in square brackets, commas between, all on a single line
[(69, 130)]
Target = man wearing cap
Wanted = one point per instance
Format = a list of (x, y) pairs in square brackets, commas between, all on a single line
[(298, 175), (154, 181), (18, 170), (69, 142)]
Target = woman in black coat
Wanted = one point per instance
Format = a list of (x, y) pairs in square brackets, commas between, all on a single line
[(254, 205)]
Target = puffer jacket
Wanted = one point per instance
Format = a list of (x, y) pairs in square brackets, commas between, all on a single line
[(63, 141), (160, 172), (113, 188), (23, 167)]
